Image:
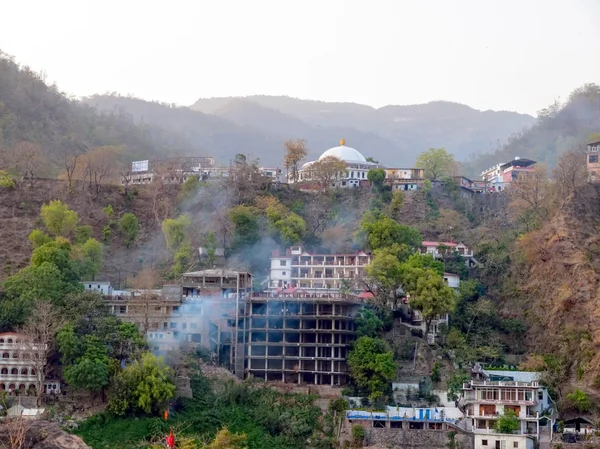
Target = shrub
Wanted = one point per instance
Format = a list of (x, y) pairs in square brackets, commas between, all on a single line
[(129, 226), (358, 435), (6, 181), (580, 400)]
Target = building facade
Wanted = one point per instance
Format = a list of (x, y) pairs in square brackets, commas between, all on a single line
[(357, 167), (20, 366), (592, 161), (486, 401), (502, 175), (300, 337), (439, 250), (314, 273)]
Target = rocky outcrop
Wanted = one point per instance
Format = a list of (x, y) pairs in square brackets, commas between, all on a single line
[(39, 435)]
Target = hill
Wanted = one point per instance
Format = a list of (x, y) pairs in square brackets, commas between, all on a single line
[(34, 112), (403, 131), (560, 127)]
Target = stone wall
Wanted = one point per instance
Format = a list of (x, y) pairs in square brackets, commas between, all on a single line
[(416, 439)]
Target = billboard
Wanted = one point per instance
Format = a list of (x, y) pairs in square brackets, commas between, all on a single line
[(138, 166)]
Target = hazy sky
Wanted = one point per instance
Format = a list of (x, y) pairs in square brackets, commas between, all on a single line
[(506, 54)]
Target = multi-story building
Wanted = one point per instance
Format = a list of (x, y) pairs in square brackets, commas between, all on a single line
[(486, 401), (407, 179), (314, 273), (440, 250), (593, 163), (501, 175), (20, 365), (301, 337)]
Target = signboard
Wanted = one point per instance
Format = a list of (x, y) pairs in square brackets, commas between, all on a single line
[(594, 148), (138, 166)]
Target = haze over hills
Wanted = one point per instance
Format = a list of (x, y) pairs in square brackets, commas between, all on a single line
[(394, 134)]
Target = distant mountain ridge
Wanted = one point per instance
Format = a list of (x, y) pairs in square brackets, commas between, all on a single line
[(393, 134)]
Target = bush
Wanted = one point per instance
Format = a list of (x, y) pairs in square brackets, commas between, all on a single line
[(580, 400), (6, 181), (358, 435), (129, 226)]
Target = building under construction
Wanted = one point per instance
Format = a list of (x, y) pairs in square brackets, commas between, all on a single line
[(294, 336)]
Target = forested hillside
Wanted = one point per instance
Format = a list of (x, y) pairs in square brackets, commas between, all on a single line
[(559, 127), (42, 123)]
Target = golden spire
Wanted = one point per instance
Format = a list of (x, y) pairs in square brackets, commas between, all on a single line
[(342, 142)]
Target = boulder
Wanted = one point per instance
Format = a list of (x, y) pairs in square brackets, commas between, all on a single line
[(40, 435)]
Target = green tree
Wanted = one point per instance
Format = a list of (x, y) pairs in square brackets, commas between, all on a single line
[(429, 294), (59, 255), (381, 232), (211, 247), (436, 162), (83, 234), (289, 227), (507, 423), (371, 366), (455, 384), (368, 324), (188, 189), (39, 238), (385, 271), (425, 261), (176, 231), (247, 226), (92, 256), (6, 180), (129, 226), (395, 206), (58, 218), (145, 386), (90, 371), (44, 282), (580, 400), (377, 177)]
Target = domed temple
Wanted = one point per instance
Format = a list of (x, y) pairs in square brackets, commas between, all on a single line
[(357, 166)]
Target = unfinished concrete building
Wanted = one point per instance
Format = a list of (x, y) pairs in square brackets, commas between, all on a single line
[(301, 337), (216, 301)]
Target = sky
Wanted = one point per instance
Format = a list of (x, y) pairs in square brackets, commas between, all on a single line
[(517, 55)]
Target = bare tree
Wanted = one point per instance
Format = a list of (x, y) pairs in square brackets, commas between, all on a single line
[(14, 432), (39, 332), (295, 151), (571, 172), (327, 170), (144, 300), (70, 164), (28, 159), (532, 197)]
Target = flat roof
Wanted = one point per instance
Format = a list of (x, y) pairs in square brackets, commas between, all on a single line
[(215, 272)]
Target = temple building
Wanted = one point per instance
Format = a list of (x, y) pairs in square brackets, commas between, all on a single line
[(357, 167)]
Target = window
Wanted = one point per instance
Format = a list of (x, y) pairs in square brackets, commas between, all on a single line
[(175, 308), (593, 158), (193, 325), (352, 174), (540, 395), (484, 442), (284, 273), (184, 326), (515, 444), (282, 263), (123, 309), (173, 325)]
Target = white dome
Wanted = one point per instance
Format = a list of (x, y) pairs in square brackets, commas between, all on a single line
[(344, 153)]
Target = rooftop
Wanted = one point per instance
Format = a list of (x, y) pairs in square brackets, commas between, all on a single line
[(215, 273)]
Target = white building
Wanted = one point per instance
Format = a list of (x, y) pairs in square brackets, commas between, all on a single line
[(357, 167), (453, 280), (19, 364), (104, 288), (486, 401), (298, 268), (439, 250)]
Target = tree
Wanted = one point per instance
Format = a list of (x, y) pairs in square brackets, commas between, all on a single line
[(507, 423), (580, 400), (571, 172), (142, 284), (246, 225), (40, 330), (90, 371), (381, 231), (145, 386), (175, 231), (129, 226), (99, 166), (70, 165), (326, 170), (385, 271), (395, 206), (227, 440), (44, 281), (92, 255), (451, 225), (295, 151), (377, 177), (39, 238), (368, 324), (436, 162), (429, 294), (371, 366), (288, 226), (29, 159), (532, 198), (211, 247), (58, 218)]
